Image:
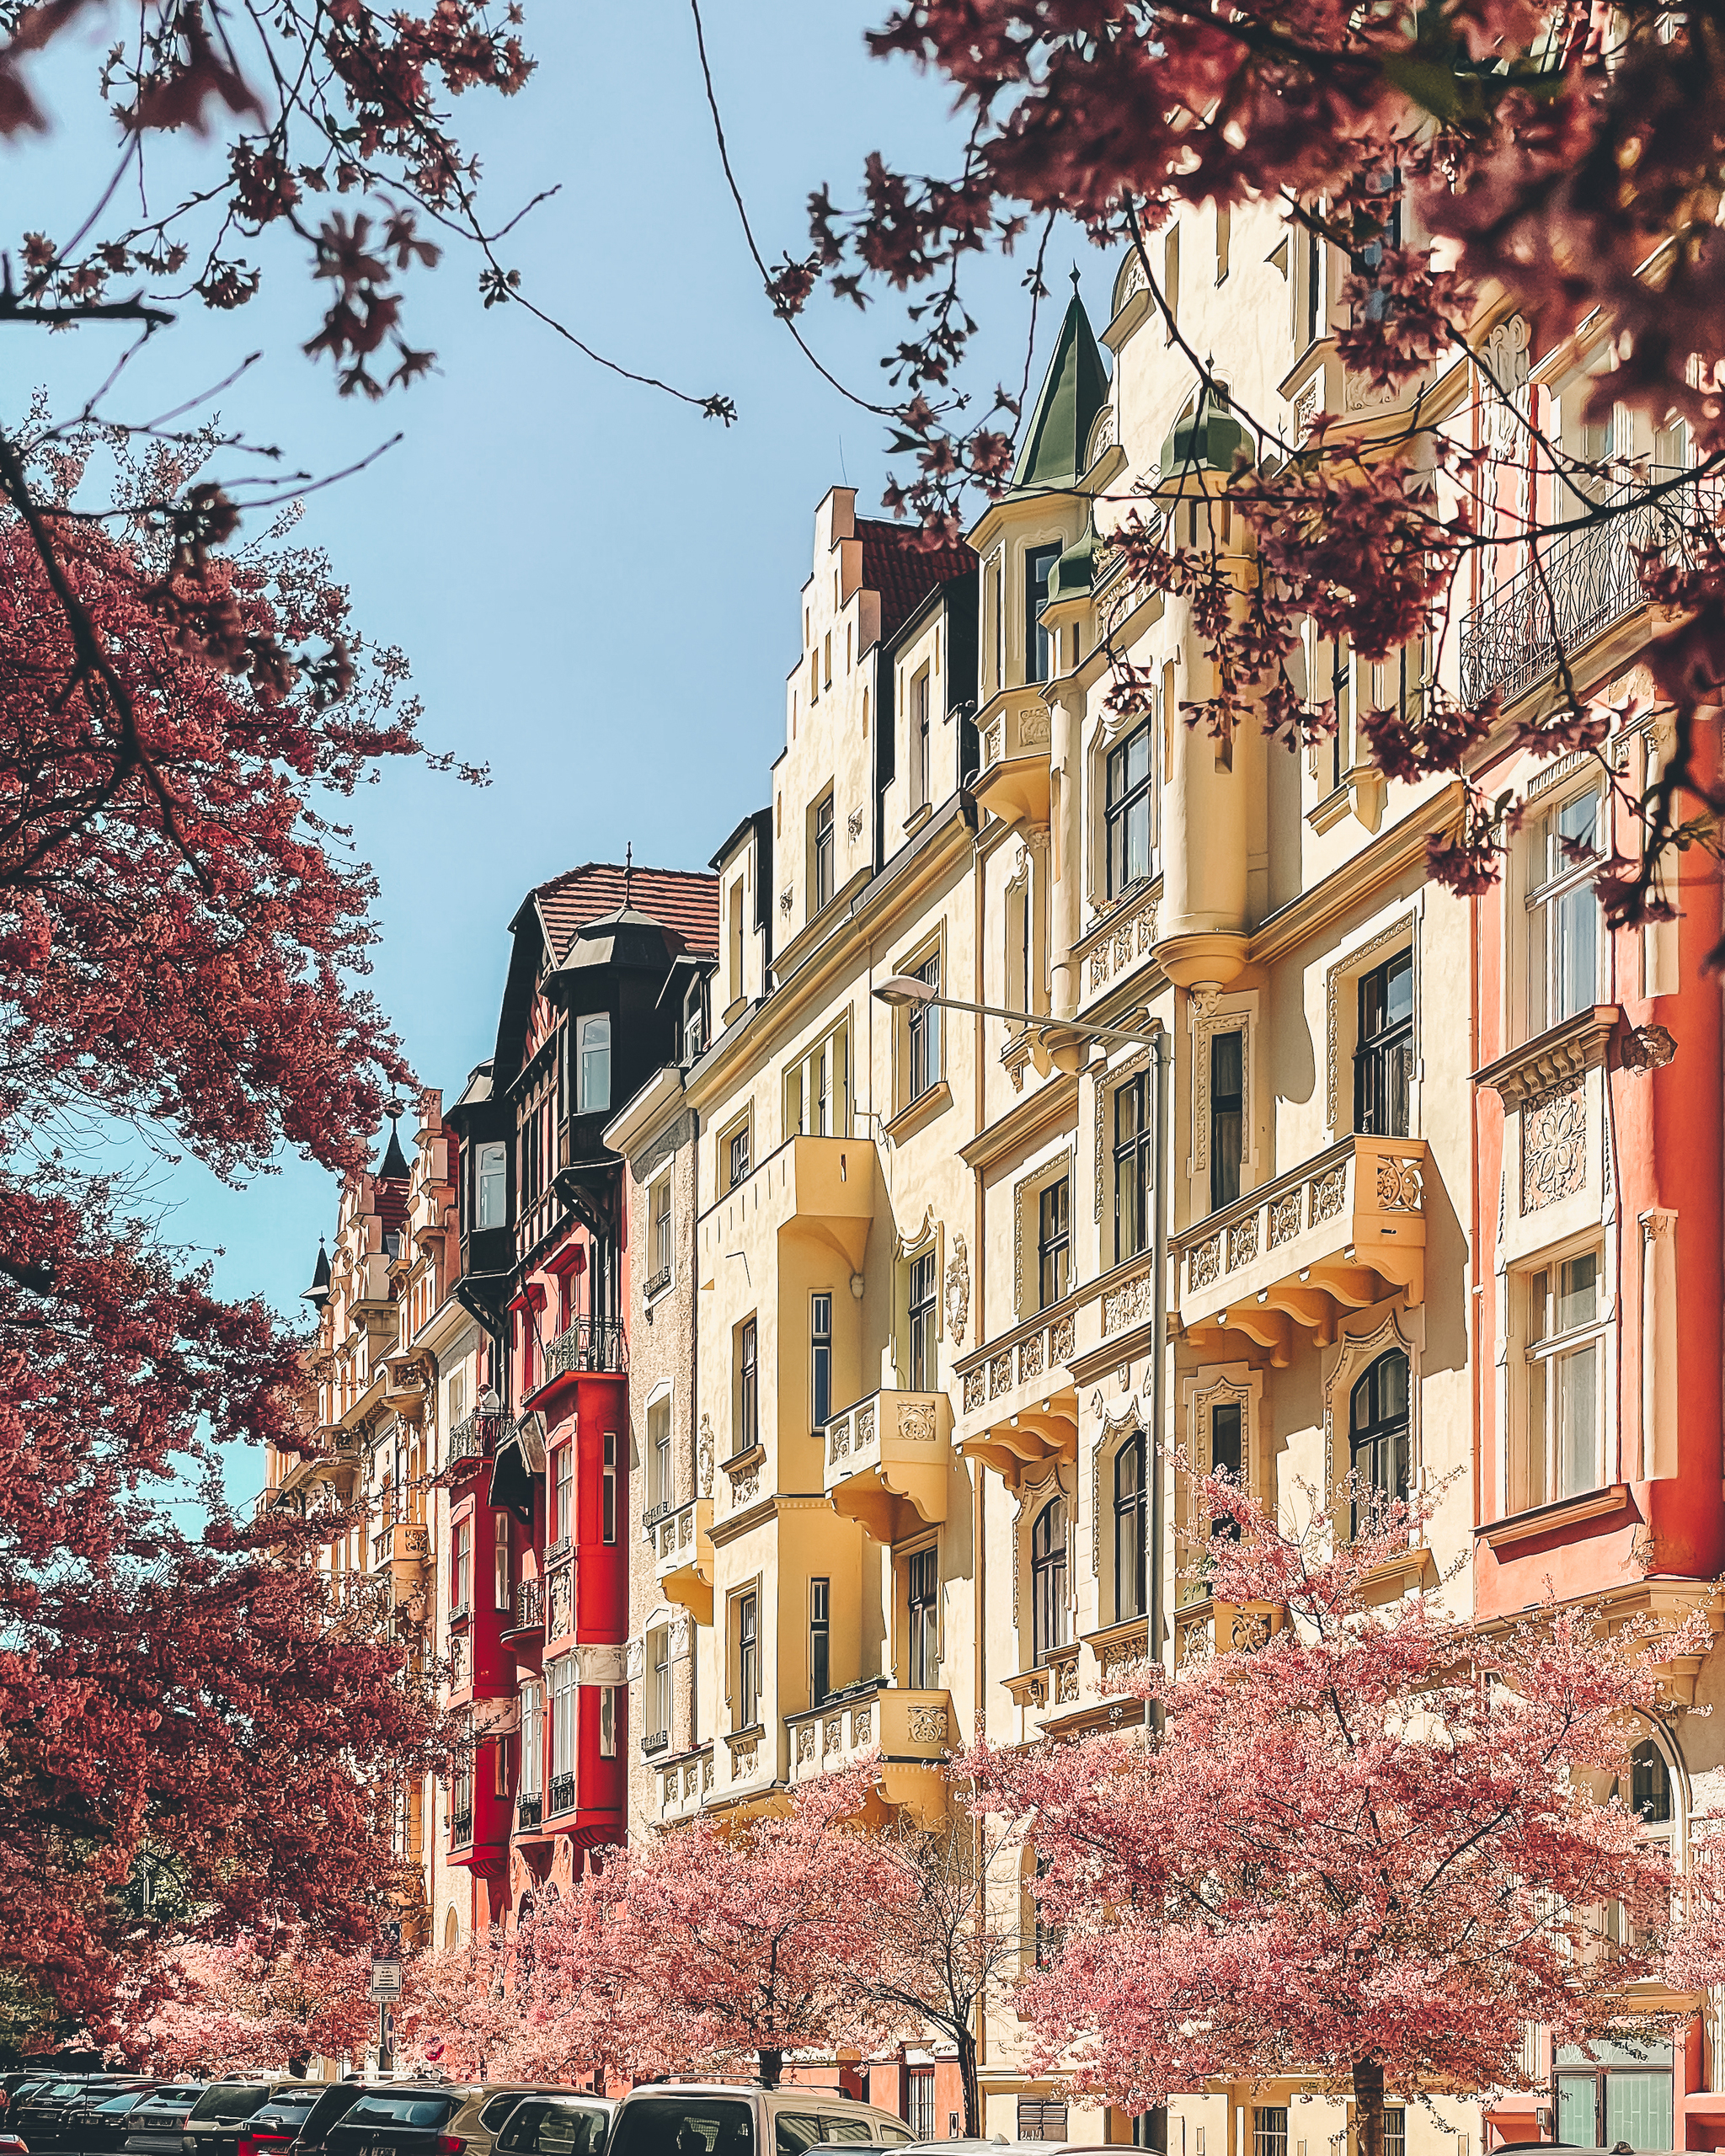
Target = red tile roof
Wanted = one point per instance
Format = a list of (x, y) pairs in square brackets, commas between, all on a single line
[(682, 900), (902, 572)]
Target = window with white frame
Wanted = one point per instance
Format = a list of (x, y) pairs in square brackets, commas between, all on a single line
[(491, 1192), (565, 1694), (1564, 944), (746, 1654), (607, 1721), (563, 1492), (659, 1681), (593, 1062), (921, 751), (533, 1781), (608, 1489), (818, 1089), (733, 1155), (1565, 1356), (461, 1577), (502, 1581), (923, 1035), (662, 1242), (659, 1472)]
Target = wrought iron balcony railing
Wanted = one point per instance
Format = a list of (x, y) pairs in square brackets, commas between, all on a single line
[(654, 1741), (563, 1794), (475, 1437), (529, 1807), (1575, 586), (589, 1344), (529, 1615), (461, 1829)]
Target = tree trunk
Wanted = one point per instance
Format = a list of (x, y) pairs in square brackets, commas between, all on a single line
[(971, 2084), (772, 2065), (1369, 2106)]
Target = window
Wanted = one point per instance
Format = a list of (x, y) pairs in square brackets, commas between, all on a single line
[(1038, 565), (607, 1721), (661, 1230), (820, 1360), (748, 1688), (607, 1491), (1041, 2119), (461, 1800), (817, 1089), (922, 1608), (1650, 1784), (593, 1057), (659, 1681), (736, 941), (923, 1320), (565, 1693), (563, 1492), (1383, 1058), (1563, 915), (502, 1585), (1314, 284), (919, 2101), (1054, 1242), (1564, 1343), (1134, 1158), (924, 1027), (658, 1478), (1130, 807), (1227, 1116), (532, 1738), (736, 1155), (1130, 1514), (1047, 1581), (1342, 697), (819, 1641), (1227, 1456), (492, 1177), (1622, 2093), (1269, 2130), (748, 1429), (461, 1579), (1377, 1431), (920, 755), (823, 853)]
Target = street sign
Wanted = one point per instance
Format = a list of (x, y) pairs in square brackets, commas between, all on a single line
[(386, 1979)]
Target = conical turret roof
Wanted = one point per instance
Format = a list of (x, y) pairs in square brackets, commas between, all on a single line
[(1074, 390), (319, 1292), (395, 1162)]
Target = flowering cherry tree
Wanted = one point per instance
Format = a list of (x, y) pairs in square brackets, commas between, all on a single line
[(1371, 1850), (257, 2003)]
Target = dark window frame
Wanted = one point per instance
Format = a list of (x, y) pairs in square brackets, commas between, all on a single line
[(1135, 1168), (1127, 803), (1383, 1052), (824, 851), (1038, 645), (1227, 1116), (1054, 1242), (922, 1619), (1131, 1512), (922, 1311), (1383, 1436), (1048, 1582)]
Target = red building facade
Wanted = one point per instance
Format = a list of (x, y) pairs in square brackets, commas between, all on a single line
[(538, 1473)]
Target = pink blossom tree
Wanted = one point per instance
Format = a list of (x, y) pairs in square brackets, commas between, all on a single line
[(1371, 1850), (257, 2002)]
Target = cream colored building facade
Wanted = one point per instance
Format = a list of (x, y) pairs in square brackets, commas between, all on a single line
[(924, 1464)]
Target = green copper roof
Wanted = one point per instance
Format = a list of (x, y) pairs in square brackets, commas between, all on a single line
[(1075, 570), (1074, 391)]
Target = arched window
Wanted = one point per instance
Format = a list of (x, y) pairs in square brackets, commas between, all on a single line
[(1650, 1784), (1130, 1495), (1377, 1431), (1048, 1580)]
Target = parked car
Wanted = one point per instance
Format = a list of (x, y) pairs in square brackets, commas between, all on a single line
[(721, 2118), (220, 2123), (40, 2117), (334, 2100), (10, 2145), (557, 2125), (155, 2126), (95, 2124), (426, 2118), (277, 2123)]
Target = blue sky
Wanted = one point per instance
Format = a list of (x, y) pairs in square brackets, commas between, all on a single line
[(597, 588)]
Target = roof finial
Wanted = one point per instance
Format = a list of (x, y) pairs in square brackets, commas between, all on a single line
[(628, 870), (1075, 280)]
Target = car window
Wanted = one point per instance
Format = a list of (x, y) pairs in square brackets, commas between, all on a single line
[(333, 2103), (564, 2130), (288, 2107), (423, 2112), (127, 2101), (496, 2108), (896, 2135), (834, 2128), (683, 2125), (231, 2100), (792, 2132)]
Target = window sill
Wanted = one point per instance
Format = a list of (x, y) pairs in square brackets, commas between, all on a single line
[(917, 818), (926, 1106), (739, 1463), (657, 1288), (1554, 1518), (1562, 1052)]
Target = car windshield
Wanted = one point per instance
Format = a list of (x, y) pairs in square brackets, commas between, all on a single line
[(232, 2099), (333, 2103), (421, 2111), (684, 2126), (541, 2127), (287, 2107)]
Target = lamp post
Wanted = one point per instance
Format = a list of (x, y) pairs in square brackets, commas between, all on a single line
[(908, 991)]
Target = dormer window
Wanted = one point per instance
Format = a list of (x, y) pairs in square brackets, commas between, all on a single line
[(593, 1063)]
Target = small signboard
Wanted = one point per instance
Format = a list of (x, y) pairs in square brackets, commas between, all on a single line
[(386, 1979)]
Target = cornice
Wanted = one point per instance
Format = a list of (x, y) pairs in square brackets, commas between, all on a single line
[(1363, 876), (1560, 1052), (1051, 1108), (735, 1525)]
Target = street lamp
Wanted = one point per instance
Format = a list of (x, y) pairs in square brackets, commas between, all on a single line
[(909, 991)]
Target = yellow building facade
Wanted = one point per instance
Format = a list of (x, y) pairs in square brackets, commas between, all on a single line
[(929, 1477)]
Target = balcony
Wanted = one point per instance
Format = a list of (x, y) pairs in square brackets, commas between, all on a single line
[(405, 1386), (889, 1453), (911, 1731), (405, 1544), (475, 1437), (684, 1784), (1582, 582), (527, 1617), (1013, 781), (682, 1557), (563, 1794), (1020, 1403), (461, 1829), (1341, 1232), (529, 1807), (820, 1187), (590, 1345)]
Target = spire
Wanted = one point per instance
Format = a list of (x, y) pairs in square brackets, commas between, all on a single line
[(1074, 391), (628, 871), (318, 1293), (395, 1162)]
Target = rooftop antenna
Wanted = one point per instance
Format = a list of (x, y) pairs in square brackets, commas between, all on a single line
[(628, 870)]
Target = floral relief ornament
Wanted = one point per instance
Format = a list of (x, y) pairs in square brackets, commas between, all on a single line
[(1554, 1147), (958, 1290)]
